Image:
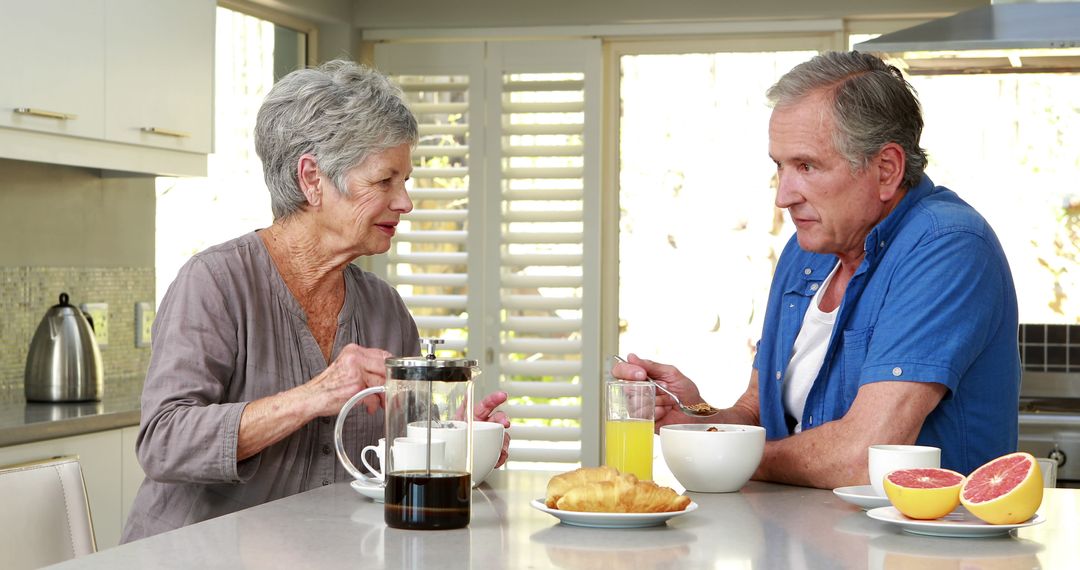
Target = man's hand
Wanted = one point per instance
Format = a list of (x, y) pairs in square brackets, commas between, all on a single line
[(666, 411)]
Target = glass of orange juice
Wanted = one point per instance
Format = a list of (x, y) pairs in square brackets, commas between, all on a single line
[(628, 427)]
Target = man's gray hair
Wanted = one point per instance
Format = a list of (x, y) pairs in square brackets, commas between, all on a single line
[(872, 105), (340, 112)]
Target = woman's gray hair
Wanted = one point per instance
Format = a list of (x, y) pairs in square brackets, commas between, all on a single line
[(340, 112), (872, 105)]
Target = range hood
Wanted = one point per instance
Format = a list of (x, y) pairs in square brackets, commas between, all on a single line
[(999, 38)]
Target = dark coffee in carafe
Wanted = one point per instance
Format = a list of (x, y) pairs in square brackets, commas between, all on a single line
[(428, 500)]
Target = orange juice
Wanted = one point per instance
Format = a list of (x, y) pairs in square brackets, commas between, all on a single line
[(629, 447)]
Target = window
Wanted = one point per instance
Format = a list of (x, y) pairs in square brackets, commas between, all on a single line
[(195, 213), (501, 254), (1010, 148), (698, 233)]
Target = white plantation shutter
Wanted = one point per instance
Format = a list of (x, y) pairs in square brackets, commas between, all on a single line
[(434, 260), (502, 252)]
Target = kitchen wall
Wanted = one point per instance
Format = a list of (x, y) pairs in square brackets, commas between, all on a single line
[(73, 230)]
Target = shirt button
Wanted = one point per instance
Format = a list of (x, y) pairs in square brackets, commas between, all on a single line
[(324, 420), (883, 244), (897, 371), (814, 286), (326, 449), (779, 375), (325, 482), (811, 422), (807, 271), (791, 306)]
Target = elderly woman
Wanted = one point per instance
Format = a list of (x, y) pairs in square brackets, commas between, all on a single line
[(260, 340)]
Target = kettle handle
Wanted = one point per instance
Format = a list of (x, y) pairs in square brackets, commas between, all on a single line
[(339, 444)]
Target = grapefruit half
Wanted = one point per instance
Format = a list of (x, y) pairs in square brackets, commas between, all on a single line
[(1007, 490), (923, 493)]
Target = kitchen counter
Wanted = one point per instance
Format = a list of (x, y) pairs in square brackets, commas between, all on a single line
[(762, 526), (27, 422)]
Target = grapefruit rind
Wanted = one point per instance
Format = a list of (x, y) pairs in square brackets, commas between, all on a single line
[(923, 494), (1006, 490)]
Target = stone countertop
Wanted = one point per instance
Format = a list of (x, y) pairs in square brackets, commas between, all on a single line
[(27, 422), (762, 526)]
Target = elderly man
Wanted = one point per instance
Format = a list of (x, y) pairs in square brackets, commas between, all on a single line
[(892, 315)]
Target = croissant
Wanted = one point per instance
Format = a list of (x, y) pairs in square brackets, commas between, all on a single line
[(560, 484), (624, 495), (605, 490)]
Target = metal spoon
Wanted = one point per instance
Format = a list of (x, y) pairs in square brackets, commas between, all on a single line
[(701, 410)]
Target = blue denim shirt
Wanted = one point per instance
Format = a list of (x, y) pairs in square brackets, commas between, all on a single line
[(932, 301)]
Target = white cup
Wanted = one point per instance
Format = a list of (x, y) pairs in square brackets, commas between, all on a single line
[(487, 445), (408, 453), (884, 459)]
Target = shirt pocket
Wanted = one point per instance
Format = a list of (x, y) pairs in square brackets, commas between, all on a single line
[(853, 356)]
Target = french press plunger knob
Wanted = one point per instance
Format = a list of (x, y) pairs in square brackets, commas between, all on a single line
[(428, 346)]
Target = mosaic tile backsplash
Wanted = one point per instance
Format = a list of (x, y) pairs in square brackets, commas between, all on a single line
[(1050, 348), (26, 293)]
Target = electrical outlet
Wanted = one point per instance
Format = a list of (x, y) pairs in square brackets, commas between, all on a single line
[(99, 313), (144, 320)]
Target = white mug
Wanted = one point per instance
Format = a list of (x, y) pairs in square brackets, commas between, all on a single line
[(886, 458), (487, 445), (408, 453)]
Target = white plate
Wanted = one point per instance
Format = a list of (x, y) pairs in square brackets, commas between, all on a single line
[(957, 523), (611, 520), (862, 496), (369, 490)]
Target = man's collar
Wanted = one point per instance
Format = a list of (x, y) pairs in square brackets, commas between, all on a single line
[(880, 237)]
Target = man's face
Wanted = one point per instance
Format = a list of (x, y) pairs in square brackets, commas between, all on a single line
[(833, 208)]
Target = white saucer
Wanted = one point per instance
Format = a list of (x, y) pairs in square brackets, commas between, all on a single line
[(610, 520), (959, 523), (370, 490), (862, 496)]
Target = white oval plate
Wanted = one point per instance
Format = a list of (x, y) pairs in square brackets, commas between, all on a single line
[(959, 523), (611, 520), (862, 496), (369, 490)]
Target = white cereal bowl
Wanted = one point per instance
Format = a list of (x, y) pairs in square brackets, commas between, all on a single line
[(720, 461)]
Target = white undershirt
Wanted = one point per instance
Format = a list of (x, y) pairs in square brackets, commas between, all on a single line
[(808, 354)]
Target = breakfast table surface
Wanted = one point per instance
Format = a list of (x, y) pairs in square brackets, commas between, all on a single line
[(763, 525)]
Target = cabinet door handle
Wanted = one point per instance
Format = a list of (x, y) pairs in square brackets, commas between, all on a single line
[(165, 132), (44, 113)]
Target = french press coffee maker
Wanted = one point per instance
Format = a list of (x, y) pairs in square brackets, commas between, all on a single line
[(428, 456)]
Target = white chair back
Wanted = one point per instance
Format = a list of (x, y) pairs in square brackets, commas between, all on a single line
[(1049, 471), (44, 513)]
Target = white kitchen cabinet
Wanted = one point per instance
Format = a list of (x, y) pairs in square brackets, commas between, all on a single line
[(131, 472), (158, 80), (53, 69), (111, 473), (122, 85)]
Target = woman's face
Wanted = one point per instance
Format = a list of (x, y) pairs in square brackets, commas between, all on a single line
[(363, 221)]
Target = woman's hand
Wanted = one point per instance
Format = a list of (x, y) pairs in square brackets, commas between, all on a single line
[(355, 369), (485, 412), (666, 411)]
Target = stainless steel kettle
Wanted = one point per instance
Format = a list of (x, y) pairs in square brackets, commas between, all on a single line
[(64, 362)]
